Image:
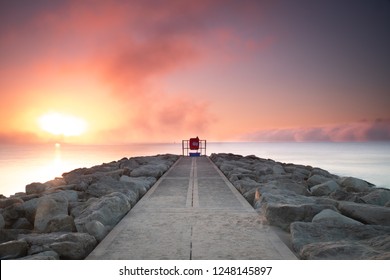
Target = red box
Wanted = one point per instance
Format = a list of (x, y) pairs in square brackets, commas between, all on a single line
[(194, 143)]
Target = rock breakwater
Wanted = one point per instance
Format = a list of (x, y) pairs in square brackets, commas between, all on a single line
[(67, 217), (326, 216)]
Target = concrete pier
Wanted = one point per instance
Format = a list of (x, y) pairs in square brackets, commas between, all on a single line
[(192, 212)]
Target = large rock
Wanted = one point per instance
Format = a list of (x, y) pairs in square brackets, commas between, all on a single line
[(45, 255), (2, 222), (331, 217), (96, 229), (365, 213), (325, 188), (108, 210), (49, 207), (140, 184), (63, 223), (67, 245), (246, 184), (6, 202), (350, 241), (29, 209), (13, 249), (352, 184), (378, 197), (317, 179), (282, 215), (150, 170), (35, 188), (22, 223)]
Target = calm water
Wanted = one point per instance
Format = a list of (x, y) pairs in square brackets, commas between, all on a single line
[(21, 165)]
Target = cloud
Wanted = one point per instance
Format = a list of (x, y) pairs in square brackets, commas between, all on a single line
[(378, 130)]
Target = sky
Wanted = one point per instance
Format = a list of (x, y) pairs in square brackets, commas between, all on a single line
[(162, 71)]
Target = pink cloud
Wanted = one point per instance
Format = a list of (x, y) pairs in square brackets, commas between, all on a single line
[(378, 130)]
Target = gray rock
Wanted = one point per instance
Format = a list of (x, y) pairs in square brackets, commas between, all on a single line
[(72, 245), (48, 209), (55, 183), (106, 186), (246, 184), (250, 196), (13, 249), (262, 169), (350, 241), (45, 255), (342, 195), (142, 184), (76, 208), (331, 217), (325, 188), (108, 210), (352, 184), (378, 197), (96, 229), (150, 170), (316, 179), (365, 213), (35, 188), (278, 169), (70, 195), (2, 222), (282, 215), (321, 172), (29, 208), (22, 223), (6, 202), (62, 223)]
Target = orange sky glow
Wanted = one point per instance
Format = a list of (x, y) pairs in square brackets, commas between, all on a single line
[(163, 71)]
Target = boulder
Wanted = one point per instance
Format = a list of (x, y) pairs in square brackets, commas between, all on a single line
[(35, 188), (49, 207), (11, 214), (55, 183), (62, 223), (108, 210), (6, 202), (250, 196), (349, 241), (45, 255), (142, 184), (29, 209), (150, 170), (73, 245), (282, 215), (316, 179), (76, 208), (246, 184), (13, 249), (366, 213), (22, 223), (351, 184), (77, 247), (96, 229), (2, 222), (129, 164), (278, 169), (378, 197), (331, 217), (325, 188), (342, 195)]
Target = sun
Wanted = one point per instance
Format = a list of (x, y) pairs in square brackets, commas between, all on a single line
[(62, 124)]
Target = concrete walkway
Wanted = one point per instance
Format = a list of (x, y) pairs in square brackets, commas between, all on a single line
[(192, 212)]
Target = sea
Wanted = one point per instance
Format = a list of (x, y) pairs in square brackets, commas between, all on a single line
[(23, 164)]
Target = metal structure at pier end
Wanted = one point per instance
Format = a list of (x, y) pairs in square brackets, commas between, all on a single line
[(194, 147)]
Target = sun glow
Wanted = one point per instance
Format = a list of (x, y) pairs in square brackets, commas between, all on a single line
[(62, 124)]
